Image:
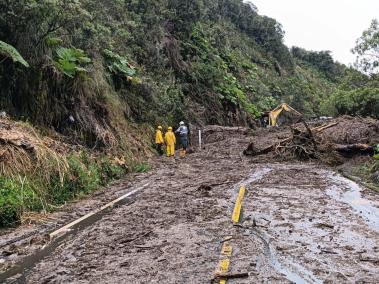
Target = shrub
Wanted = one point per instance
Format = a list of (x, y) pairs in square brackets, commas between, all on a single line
[(118, 65), (111, 171), (376, 156), (16, 196), (361, 101), (85, 175), (10, 202)]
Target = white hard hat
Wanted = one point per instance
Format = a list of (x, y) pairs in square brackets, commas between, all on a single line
[(181, 123)]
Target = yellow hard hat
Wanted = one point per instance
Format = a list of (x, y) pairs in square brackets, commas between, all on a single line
[(170, 128), (159, 127)]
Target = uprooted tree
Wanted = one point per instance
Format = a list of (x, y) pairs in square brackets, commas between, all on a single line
[(314, 143)]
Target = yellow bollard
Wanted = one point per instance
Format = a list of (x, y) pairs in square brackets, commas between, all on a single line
[(237, 207)]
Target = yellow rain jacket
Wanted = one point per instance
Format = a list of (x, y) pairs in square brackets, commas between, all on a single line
[(170, 142), (159, 137), (170, 138)]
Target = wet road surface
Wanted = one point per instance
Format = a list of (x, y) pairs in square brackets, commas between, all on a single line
[(301, 223)]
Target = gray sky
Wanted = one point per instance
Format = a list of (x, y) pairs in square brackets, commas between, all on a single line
[(322, 24)]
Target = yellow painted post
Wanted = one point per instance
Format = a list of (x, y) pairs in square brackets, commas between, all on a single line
[(224, 263), (227, 250), (237, 207)]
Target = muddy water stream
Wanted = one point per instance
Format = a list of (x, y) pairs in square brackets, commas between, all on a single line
[(296, 273), (316, 225), (351, 194)]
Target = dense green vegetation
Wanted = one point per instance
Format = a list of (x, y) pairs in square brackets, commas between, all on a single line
[(103, 73), (33, 193), (160, 61), (151, 62)]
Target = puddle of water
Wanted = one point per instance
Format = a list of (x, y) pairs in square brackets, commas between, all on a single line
[(307, 276), (296, 273), (353, 197)]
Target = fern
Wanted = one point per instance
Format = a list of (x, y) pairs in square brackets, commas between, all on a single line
[(9, 51)]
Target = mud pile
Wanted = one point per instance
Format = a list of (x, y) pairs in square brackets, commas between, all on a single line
[(353, 130), (344, 136), (215, 133)]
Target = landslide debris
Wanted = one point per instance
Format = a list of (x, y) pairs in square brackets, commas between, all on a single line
[(345, 136), (23, 151)]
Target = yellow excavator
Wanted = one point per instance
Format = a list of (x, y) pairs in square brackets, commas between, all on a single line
[(275, 113)]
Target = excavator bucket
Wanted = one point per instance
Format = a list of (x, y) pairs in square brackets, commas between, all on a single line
[(275, 113)]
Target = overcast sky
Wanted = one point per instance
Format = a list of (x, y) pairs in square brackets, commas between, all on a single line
[(322, 24)]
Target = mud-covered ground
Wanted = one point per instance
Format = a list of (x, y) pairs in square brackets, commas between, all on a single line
[(301, 223)]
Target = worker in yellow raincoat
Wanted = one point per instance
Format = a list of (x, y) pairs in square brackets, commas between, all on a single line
[(170, 142), (159, 140)]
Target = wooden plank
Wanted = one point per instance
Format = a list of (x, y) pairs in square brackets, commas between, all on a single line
[(68, 227)]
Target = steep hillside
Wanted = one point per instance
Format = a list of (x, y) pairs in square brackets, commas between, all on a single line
[(103, 74), (100, 68)]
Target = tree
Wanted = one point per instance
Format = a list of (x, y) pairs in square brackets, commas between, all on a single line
[(322, 60), (361, 101), (367, 49)]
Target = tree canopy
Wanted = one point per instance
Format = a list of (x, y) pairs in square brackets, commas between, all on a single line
[(367, 49)]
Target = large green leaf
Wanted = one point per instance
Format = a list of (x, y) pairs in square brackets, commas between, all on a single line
[(66, 67), (11, 52), (70, 61), (73, 54), (119, 65), (376, 154)]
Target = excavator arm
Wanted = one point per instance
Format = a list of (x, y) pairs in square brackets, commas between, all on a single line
[(274, 114)]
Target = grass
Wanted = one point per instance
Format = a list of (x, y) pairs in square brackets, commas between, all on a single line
[(142, 167), (85, 174), (38, 174)]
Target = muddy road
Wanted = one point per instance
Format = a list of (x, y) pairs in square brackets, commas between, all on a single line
[(300, 223)]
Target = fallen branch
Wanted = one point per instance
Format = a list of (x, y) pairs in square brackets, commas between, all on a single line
[(354, 148), (226, 239), (328, 251), (226, 276), (137, 237), (322, 128)]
